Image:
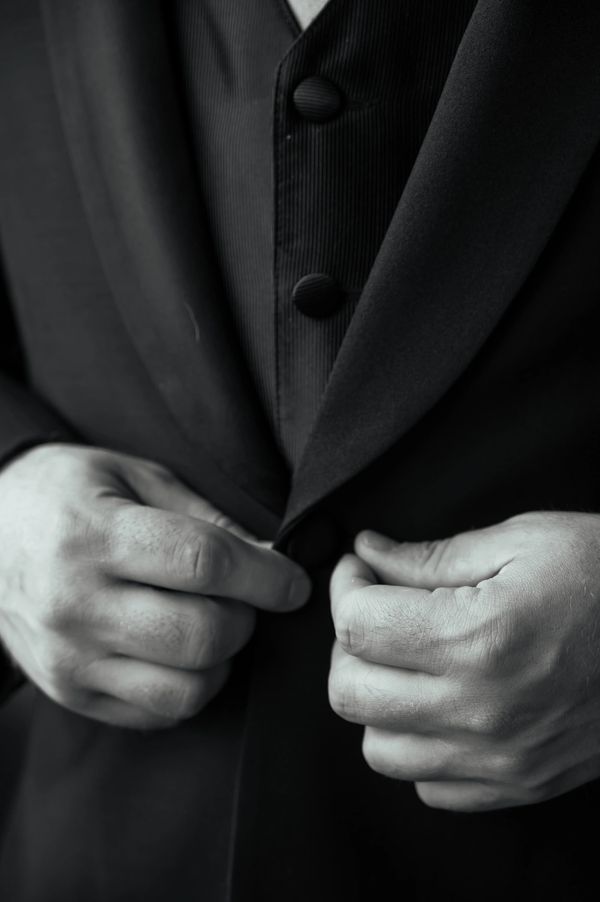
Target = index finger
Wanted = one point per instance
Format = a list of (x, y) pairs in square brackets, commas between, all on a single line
[(393, 625), (173, 551)]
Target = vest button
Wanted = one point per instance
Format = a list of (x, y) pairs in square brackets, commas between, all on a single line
[(317, 295), (315, 541), (318, 99)]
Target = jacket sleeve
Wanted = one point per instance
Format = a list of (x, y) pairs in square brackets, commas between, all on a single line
[(25, 420)]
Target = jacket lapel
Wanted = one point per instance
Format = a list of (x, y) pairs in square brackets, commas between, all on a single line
[(516, 125), (120, 111)]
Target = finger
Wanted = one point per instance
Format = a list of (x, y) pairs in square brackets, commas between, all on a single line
[(164, 692), (349, 574), (157, 486), (189, 632), (117, 713), (410, 628), (407, 756), (389, 698), (468, 797), (464, 560), (173, 551)]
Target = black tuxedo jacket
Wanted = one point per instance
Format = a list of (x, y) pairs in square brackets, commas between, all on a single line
[(466, 391)]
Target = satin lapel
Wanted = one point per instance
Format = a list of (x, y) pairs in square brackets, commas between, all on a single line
[(516, 125), (121, 115)]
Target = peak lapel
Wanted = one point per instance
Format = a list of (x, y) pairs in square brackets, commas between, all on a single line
[(516, 125), (120, 111)]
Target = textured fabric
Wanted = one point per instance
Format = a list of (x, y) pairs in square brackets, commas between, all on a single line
[(287, 196)]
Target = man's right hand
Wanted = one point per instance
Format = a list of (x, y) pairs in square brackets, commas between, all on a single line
[(123, 594)]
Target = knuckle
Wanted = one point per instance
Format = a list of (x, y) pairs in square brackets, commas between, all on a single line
[(440, 640), (210, 637), (491, 721), (200, 558), (64, 537), (190, 699), (483, 720), (75, 536), (434, 554), (55, 610), (157, 698), (103, 535), (201, 640), (494, 647), (221, 520), (519, 769), (343, 696), (351, 626), (512, 766), (535, 789), (177, 700), (160, 471)]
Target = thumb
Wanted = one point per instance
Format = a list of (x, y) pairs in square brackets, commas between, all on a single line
[(157, 486), (463, 560)]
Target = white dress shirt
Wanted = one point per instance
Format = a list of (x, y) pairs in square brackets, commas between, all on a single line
[(306, 10)]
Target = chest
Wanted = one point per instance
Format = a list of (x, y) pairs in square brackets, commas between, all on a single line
[(302, 152)]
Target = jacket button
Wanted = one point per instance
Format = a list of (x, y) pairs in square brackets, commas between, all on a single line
[(318, 99), (315, 541), (317, 295)]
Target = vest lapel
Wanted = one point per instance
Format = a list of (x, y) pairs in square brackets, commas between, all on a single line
[(121, 116), (516, 125)]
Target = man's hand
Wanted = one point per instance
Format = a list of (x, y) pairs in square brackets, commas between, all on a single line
[(474, 662), (124, 595)]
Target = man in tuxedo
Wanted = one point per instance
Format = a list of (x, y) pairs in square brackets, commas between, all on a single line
[(299, 434)]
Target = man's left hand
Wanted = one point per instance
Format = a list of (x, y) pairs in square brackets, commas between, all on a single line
[(474, 662)]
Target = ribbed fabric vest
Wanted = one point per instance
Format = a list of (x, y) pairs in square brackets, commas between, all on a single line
[(290, 192)]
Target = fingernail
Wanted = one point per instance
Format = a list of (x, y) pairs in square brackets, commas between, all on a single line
[(300, 590), (375, 541)]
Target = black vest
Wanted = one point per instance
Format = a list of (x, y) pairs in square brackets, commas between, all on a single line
[(303, 143)]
